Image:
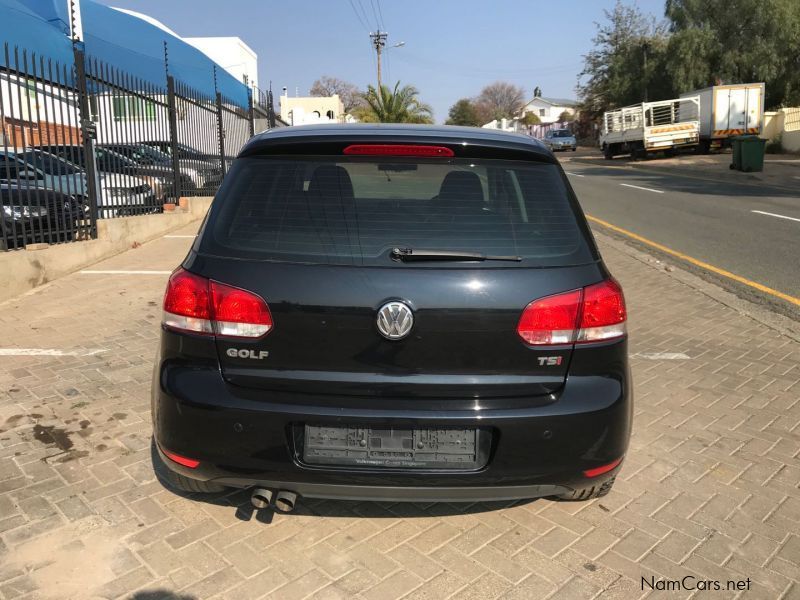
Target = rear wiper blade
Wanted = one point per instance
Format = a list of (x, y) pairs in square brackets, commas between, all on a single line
[(420, 254)]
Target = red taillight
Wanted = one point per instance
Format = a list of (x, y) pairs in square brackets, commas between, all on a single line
[(398, 150), (196, 304), (604, 469), (181, 460), (187, 303), (239, 313), (603, 313), (550, 320), (594, 313)]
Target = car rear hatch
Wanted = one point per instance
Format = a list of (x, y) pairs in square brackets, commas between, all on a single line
[(459, 246)]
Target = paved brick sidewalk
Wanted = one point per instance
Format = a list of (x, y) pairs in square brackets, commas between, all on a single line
[(711, 487)]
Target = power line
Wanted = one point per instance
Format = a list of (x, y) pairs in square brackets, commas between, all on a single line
[(363, 24), (375, 14), (380, 12), (363, 12)]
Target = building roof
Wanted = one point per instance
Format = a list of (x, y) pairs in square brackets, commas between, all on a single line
[(555, 101)]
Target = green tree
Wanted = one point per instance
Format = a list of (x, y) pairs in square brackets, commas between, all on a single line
[(736, 41), (463, 113), (530, 119), (566, 117), (629, 50), (401, 105)]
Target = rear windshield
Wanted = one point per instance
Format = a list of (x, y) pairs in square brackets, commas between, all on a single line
[(355, 210)]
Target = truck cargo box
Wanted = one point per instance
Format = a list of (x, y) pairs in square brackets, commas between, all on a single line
[(730, 110)]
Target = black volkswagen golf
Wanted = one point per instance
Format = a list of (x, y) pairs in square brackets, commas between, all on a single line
[(396, 313)]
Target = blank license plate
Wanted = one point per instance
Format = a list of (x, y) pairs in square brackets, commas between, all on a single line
[(462, 449)]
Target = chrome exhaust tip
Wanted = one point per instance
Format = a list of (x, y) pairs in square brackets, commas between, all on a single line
[(261, 498)]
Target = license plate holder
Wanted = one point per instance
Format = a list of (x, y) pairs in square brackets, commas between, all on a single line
[(399, 448)]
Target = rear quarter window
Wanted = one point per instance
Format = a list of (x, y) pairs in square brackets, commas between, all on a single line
[(354, 210)]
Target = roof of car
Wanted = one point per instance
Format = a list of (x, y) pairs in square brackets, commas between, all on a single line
[(396, 132)]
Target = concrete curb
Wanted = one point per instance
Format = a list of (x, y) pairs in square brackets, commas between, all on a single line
[(775, 321), (24, 270)]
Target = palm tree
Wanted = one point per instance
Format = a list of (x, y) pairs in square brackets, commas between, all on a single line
[(400, 105)]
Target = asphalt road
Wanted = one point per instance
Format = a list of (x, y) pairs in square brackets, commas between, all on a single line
[(713, 222)]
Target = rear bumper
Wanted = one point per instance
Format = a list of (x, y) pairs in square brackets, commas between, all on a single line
[(245, 438)]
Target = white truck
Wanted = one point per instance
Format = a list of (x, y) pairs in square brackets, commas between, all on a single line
[(651, 127), (727, 111)]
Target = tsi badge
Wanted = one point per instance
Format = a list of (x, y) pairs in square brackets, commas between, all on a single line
[(549, 361), (257, 355)]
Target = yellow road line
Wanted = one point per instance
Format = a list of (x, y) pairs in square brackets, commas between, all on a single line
[(697, 263)]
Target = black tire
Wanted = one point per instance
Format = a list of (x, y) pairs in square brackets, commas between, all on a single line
[(589, 493), (703, 147), (176, 481), (607, 153), (574, 149)]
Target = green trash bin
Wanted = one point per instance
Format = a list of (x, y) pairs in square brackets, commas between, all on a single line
[(748, 153)]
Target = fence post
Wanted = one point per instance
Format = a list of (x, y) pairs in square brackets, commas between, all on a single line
[(221, 133), (251, 114), (88, 134), (173, 138)]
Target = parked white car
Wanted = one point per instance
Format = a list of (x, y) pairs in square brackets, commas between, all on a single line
[(35, 169)]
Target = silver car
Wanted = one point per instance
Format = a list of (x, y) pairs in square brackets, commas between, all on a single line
[(560, 139)]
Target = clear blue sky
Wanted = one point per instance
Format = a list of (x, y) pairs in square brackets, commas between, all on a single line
[(453, 47)]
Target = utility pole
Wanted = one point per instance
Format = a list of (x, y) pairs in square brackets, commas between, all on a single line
[(379, 41)]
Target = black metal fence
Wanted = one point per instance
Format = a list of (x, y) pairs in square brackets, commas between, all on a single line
[(87, 141)]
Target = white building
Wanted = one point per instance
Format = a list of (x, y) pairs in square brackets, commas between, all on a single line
[(306, 110), (504, 125), (230, 53), (549, 109)]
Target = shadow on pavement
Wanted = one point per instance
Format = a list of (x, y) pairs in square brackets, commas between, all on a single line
[(160, 595)]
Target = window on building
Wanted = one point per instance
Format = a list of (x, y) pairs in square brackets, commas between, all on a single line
[(134, 109), (542, 112), (30, 105)]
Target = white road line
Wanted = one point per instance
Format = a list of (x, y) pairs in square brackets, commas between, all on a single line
[(761, 212), (638, 187), (576, 174), (180, 236), (661, 355), (91, 272), (49, 352)]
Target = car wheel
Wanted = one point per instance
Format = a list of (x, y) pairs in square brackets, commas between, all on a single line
[(607, 154), (574, 149), (176, 481), (589, 493)]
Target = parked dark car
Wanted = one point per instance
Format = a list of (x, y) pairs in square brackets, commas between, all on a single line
[(36, 216), (396, 313)]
